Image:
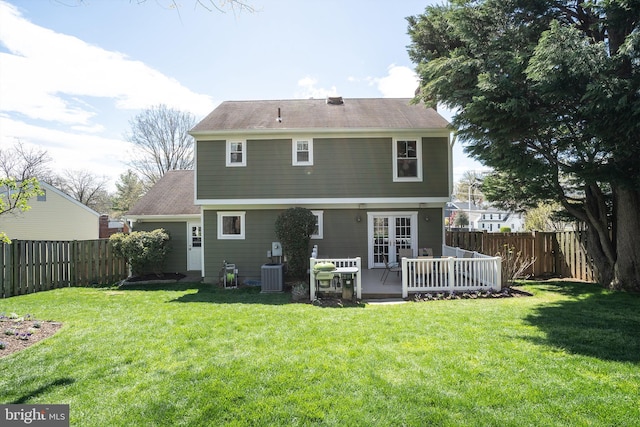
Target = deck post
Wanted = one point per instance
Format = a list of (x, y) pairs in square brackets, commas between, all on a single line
[(359, 278), (312, 280), (405, 278)]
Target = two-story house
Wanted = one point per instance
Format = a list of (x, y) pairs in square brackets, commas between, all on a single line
[(492, 220), (377, 174)]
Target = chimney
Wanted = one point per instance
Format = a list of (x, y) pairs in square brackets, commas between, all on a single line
[(103, 231)]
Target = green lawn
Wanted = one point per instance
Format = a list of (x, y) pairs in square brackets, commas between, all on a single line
[(190, 355)]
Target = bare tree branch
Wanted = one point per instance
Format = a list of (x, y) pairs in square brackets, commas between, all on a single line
[(163, 142)]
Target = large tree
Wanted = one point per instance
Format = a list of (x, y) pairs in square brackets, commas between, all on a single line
[(162, 142), (87, 188), (129, 189), (548, 94), (469, 188)]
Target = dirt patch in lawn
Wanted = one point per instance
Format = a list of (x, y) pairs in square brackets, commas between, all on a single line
[(20, 332)]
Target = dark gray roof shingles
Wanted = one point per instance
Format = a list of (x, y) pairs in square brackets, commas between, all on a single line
[(356, 113), (173, 194)]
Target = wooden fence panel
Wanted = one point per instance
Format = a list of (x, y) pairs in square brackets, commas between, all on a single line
[(556, 253), (34, 266)]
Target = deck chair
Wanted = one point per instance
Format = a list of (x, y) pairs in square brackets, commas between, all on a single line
[(389, 267), (405, 253), (426, 252)]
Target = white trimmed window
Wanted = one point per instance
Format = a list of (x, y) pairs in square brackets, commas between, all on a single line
[(407, 160), (231, 225), (302, 152), (319, 230), (236, 153)]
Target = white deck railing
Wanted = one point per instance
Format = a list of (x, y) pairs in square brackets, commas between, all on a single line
[(457, 270), (339, 263)]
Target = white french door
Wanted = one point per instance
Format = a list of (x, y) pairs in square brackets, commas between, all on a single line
[(388, 233)]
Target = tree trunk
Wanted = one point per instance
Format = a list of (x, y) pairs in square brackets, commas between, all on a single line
[(627, 267)]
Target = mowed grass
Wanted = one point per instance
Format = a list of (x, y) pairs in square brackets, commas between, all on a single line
[(192, 355)]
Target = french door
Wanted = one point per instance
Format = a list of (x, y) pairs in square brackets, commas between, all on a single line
[(388, 233)]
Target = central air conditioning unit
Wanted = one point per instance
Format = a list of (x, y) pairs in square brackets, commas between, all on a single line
[(272, 277)]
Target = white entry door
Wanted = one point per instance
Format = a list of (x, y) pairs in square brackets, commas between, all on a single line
[(388, 233), (194, 246)]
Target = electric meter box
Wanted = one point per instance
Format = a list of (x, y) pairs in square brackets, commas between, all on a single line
[(276, 249)]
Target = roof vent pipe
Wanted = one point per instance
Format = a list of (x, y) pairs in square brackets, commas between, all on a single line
[(335, 100), (279, 118)]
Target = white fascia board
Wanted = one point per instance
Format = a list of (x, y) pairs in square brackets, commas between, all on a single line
[(325, 203), (317, 132), (162, 218)]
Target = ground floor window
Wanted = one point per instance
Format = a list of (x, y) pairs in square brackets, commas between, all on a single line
[(231, 225), (319, 230)]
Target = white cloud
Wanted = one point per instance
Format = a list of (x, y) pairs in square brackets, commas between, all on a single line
[(46, 70), (53, 90), (400, 82), (69, 150), (309, 89)]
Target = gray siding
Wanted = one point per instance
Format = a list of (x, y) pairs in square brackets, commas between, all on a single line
[(343, 237), (177, 258), (356, 167)]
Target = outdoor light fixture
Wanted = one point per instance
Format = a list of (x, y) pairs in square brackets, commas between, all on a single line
[(426, 218)]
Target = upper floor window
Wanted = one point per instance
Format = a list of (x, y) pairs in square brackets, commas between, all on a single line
[(236, 153), (231, 225), (302, 152), (407, 160), (42, 197)]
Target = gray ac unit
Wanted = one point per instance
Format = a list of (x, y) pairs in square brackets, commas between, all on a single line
[(272, 276)]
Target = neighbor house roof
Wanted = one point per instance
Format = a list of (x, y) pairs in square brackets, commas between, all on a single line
[(332, 113), (173, 194)]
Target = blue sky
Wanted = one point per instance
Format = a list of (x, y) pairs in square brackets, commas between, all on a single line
[(74, 72)]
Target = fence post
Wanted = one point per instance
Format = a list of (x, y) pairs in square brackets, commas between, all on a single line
[(452, 273), (498, 269), (5, 273)]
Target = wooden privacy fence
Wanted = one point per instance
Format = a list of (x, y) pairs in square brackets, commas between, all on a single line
[(560, 254), (28, 266)]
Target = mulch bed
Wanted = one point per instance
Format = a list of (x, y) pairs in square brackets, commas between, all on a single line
[(437, 296), (162, 277), (20, 332)]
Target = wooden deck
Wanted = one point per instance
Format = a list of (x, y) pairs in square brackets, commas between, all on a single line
[(373, 288)]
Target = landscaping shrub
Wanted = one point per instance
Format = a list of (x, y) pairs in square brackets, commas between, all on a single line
[(505, 229), (514, 265), (294, 228), (145, 251)]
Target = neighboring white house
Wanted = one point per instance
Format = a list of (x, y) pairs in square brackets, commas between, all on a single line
[(492, 220), (53, 216), (485, 219)]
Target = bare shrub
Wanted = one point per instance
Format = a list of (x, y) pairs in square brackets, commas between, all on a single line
[(514, 265)]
